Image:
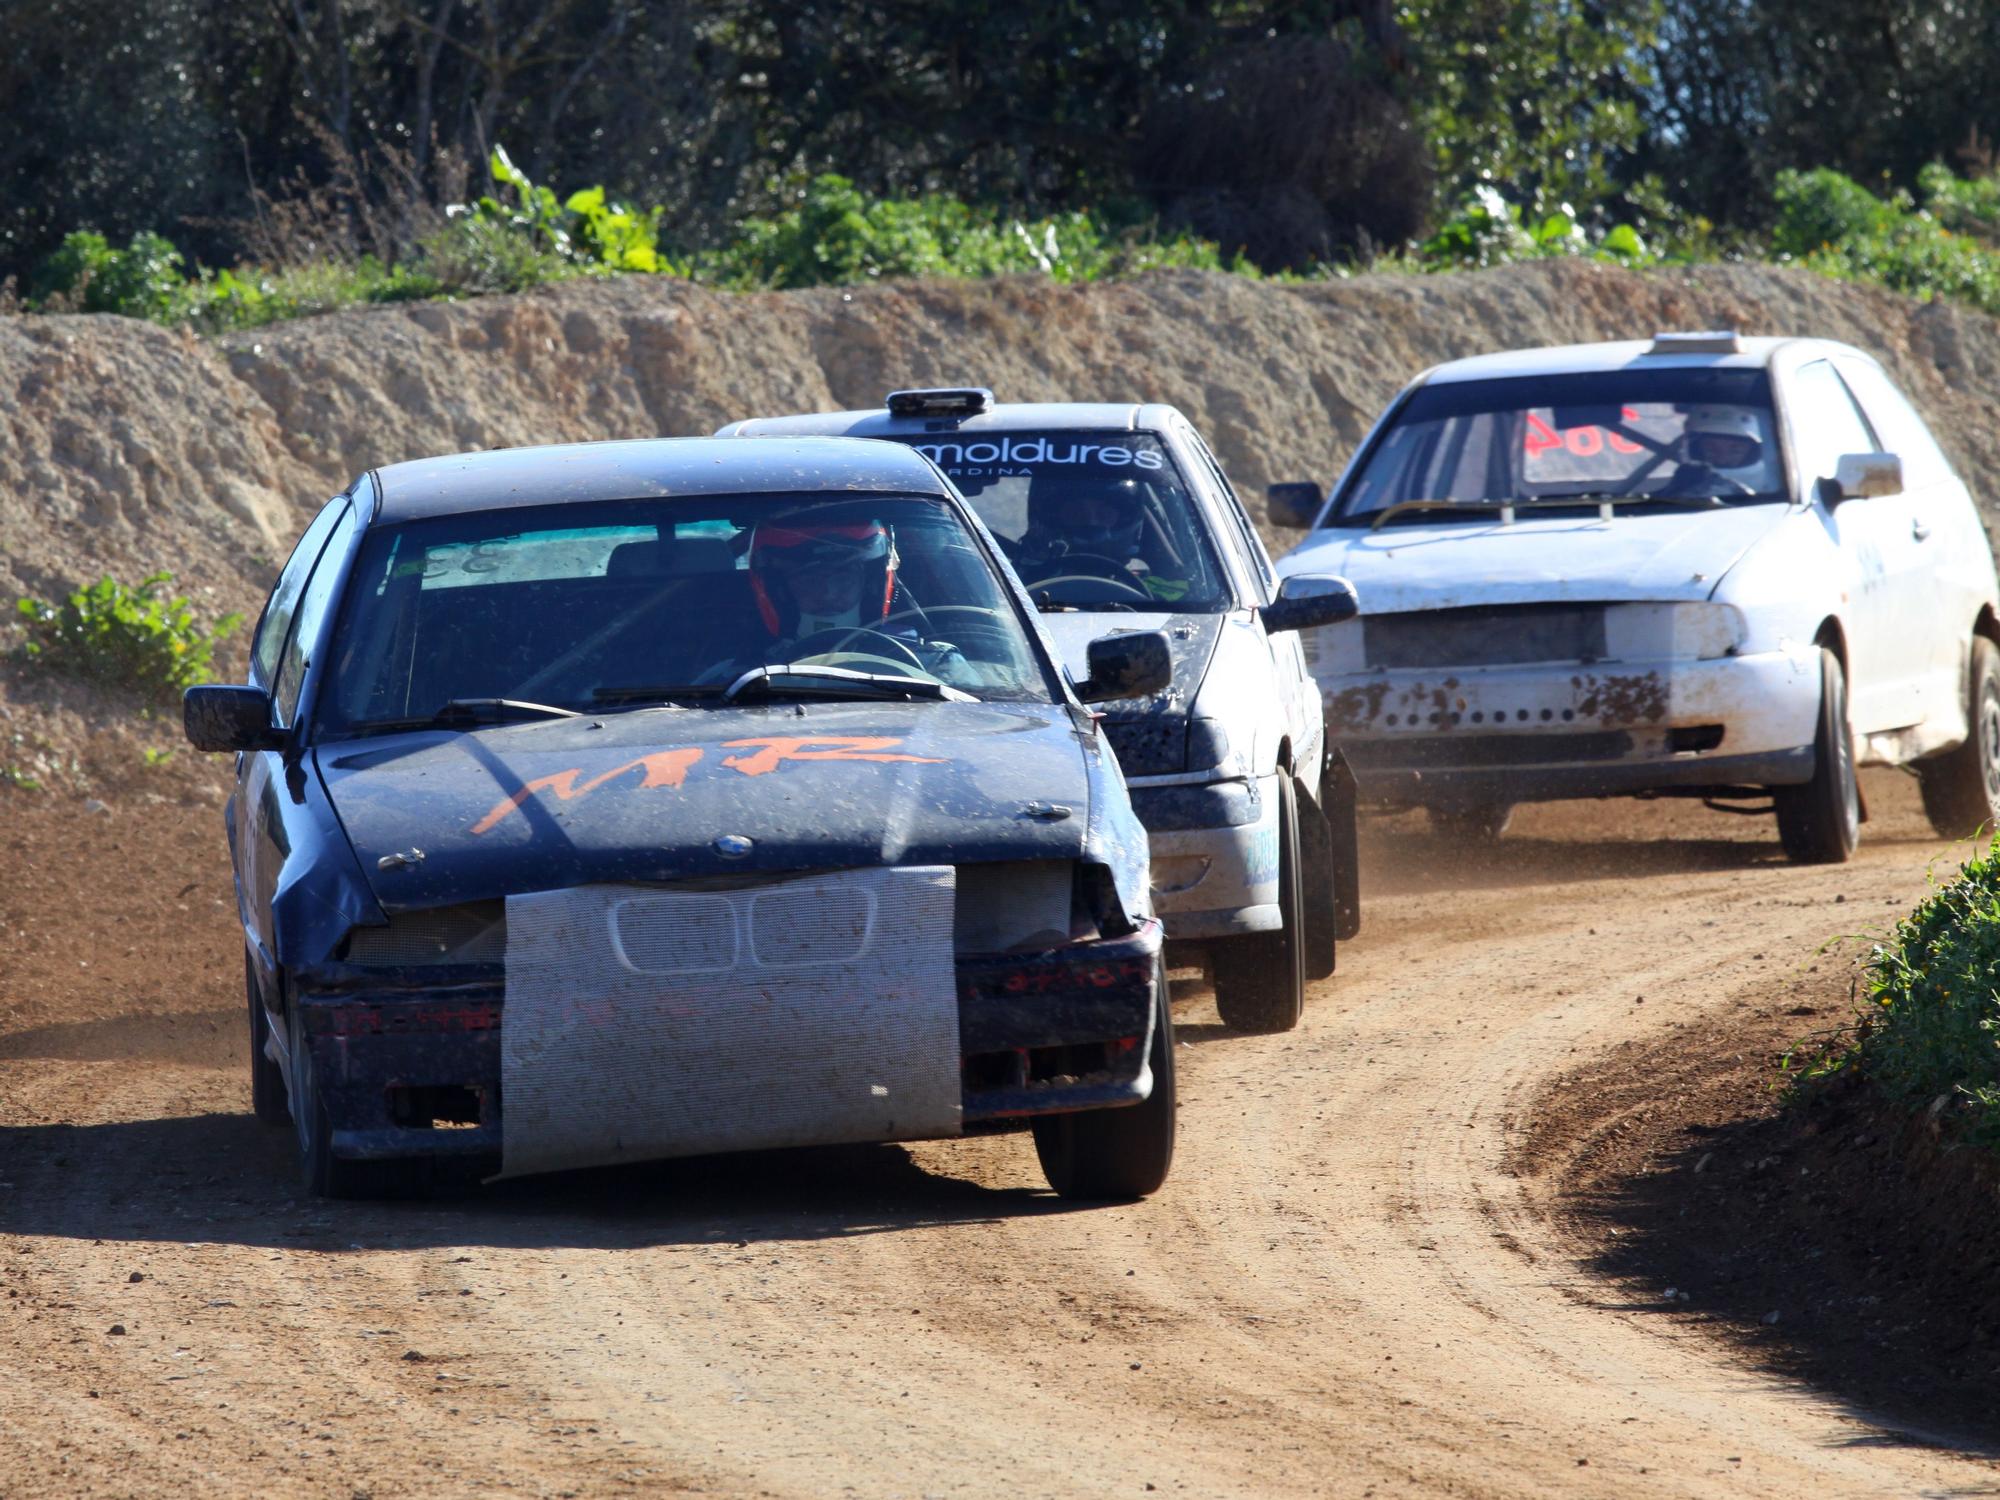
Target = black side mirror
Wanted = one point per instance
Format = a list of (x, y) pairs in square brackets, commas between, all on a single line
[(1127, 666), (229, 718), (1295, 505), (1307, 601)]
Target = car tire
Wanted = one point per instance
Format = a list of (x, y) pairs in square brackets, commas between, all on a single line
[(1120, 1153), (1260, 982), (1962, 787), (1819, 822), (267, 1080), (1480, 823), (1321, 893), (323, 1174)]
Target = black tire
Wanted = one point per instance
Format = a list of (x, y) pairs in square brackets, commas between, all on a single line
[(1260, 981), (1120, 1153), (1480, 823), (323, 1174), (1819, 823), (1322, 906), (1962, 787), (267, 1080)]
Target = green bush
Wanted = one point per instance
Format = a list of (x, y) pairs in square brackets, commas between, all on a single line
[(1487, 230), (838, 236), (1933, 1026), (1939, 248), (86, 273), (125, 637)]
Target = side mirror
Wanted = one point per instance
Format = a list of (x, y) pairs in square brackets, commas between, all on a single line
[(1127, 666), (1861, 476), (1294, 505), (229, 718), (1307, 601)]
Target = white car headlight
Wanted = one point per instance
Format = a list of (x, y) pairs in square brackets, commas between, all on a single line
[(1671, 632)]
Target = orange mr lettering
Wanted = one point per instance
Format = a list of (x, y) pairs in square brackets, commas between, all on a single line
[(663, 768), (771, 753)]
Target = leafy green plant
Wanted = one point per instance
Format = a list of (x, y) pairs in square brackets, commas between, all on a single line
[(1487, 230), (156, 756), (19, 779), (87, 273), (1933, 1022), (129, 637)]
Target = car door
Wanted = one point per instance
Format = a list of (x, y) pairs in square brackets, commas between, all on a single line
[(1879, 545), (266, 788), (1291, 679), (252, 778), (1950, 543)]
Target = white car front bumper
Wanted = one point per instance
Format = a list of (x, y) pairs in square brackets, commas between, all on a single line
[(1215, 854), (1551, 731)]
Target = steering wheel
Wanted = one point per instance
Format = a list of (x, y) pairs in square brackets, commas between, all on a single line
[(965, 619), (838, 640), (1117, 589)]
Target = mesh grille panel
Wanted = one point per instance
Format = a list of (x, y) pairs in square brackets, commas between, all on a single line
[(681, 933)]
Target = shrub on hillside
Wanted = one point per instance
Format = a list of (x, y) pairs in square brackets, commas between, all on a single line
[(1933, 1026), (125, 637), (87, 274), (1939, 247)]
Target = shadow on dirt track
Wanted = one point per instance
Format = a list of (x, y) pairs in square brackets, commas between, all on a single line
[(225, 1179)]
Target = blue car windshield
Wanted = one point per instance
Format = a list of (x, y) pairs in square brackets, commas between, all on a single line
[(583, 606), (1091, 520), (1673, 436)]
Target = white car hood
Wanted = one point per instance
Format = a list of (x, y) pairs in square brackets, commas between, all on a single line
[(1659, 555)]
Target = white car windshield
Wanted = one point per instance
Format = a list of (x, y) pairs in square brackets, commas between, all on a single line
[(1090, 520), (1631, 437), (594, 607)]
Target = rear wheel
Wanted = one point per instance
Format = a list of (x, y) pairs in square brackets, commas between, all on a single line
[(267, 1080), (1124, 1152), (1260, 982), (1819, 823), (1962, 787), (1479, 823)]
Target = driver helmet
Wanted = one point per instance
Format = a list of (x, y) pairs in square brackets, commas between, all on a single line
[(809, 575), (1106, 517), (1723, 437)]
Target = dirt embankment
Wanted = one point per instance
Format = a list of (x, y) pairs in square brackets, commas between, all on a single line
[(125, 448)]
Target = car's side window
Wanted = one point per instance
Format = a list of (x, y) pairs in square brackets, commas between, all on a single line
[(1247, 545), (314, 602), (1826, 420), (284, 602), (1902, 431)]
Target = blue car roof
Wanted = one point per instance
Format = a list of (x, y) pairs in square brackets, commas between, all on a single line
[(649, 468)]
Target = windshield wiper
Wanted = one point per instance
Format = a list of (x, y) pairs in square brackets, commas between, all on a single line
[(468, 711), (1505, 508), (840, 682), (663, 693)]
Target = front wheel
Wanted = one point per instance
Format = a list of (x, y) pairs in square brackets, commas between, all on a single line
[(1962, 787), (1124, 1152), (267, 1080), (1819, 823), (1260, 981)]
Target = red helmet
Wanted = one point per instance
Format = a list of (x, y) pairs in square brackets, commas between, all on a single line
[(798, 555)]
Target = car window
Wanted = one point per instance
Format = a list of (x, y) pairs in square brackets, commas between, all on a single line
[(1090, 520), (308, 618), (1256, 561), (585, 605), (276, 623), (1637, 436), (1826, 420), (1897, 424)]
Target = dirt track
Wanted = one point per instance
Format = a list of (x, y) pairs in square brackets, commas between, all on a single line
[(1349, 1287)]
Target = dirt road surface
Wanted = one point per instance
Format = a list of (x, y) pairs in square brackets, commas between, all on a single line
[(1350, 1286)]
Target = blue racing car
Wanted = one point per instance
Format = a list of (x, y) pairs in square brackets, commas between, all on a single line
[(632, 800)]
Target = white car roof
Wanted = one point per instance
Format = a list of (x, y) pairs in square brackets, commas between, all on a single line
[(1578, 359), (1005, 416)]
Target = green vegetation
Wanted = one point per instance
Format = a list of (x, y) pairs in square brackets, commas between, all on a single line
[(125, 637), (1943, 241), (1932, 1026)]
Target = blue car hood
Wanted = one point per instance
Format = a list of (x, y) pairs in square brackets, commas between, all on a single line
[(645, 795)]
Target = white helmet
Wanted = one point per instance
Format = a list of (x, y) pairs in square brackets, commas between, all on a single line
[(1731, 428)]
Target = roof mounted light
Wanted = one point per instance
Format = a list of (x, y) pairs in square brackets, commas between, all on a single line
[(944, 401), (1715, 341)]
